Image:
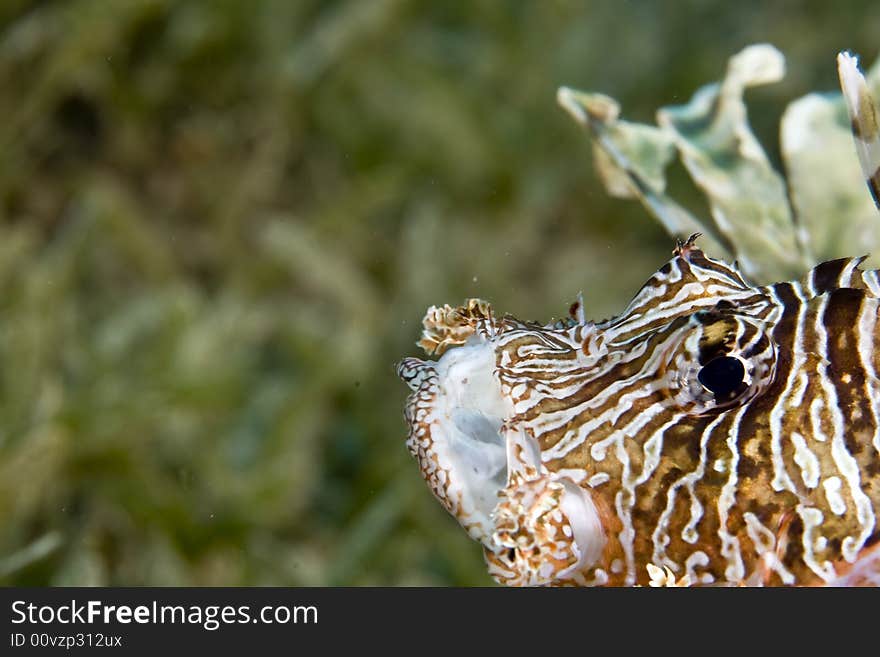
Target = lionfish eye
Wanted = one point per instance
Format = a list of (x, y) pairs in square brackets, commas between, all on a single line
[(722, 376)]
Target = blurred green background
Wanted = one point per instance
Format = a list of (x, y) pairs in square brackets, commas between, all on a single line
[(220, 226)]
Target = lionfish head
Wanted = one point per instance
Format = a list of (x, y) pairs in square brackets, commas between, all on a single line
[(694, 340)]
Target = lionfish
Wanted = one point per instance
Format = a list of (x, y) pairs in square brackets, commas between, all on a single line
[(723, 432)]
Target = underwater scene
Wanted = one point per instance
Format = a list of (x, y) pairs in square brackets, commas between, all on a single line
[(222, 225)]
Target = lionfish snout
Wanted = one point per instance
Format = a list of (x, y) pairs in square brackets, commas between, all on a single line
[(455, 414), (536, 527)]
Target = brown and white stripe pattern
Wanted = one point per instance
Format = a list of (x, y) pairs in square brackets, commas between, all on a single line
[(728, 432)]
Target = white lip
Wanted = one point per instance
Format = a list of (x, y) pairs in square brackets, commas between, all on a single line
[(469, 411), (482, 467)]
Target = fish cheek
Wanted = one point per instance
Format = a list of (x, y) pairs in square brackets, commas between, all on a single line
[(682, 442)]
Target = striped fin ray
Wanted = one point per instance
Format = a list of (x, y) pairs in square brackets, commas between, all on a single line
[(864, 118)]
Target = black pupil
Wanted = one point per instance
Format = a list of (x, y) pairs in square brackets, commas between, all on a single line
[(723, 376)]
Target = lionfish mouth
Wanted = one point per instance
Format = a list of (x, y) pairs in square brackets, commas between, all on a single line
[(456, 414), (535, 526)]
